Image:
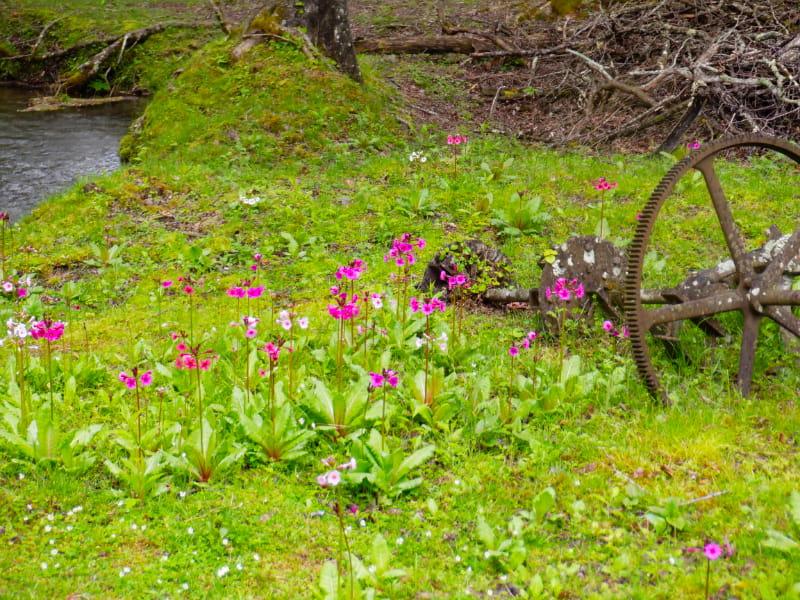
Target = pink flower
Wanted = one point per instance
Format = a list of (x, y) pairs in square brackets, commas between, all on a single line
[(322, 480), (250, 333), (255, 292), (377, 301), (8, 287), (188, 289), (333, 478), (22, 292), (285, 323), (376, 380), (564, 294), (608, 325), (712, 551), (414, 304), (302, 322), (392, 378), (167, 283), (205, 364), (182, 347), (236, 292), (146, 378), (513, 350), (532, 335)]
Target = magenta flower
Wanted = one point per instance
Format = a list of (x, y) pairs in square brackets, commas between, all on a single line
[(712, 551), (146, 378), (167, 283), (513, 350), (352, 271), (236, 292), (188, 289), (608, 325), (250, 333), (52, 331), (255, 292), (602, 184), (376, 380)]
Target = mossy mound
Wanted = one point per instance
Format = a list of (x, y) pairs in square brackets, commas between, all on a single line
[(273, 105)]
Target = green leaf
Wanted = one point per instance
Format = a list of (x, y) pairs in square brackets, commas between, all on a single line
[(778, 541), (794, 507), (485, 533)]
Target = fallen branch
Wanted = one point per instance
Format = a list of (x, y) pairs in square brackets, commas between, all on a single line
[(89, 69)]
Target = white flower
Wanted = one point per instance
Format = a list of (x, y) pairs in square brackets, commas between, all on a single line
[(399, 541), (457, 558), (54, 552), (239, 566), (190, 530), (225, 541), (43, 566), (22, 475), (250, 200), (223, 570), (48, 528), (124, 571), (362, 523), (256, 556), (185, 586), (302, 322)]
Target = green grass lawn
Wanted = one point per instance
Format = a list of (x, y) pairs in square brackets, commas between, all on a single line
[(549, 474)]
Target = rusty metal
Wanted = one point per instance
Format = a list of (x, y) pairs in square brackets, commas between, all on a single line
[(756, 283)]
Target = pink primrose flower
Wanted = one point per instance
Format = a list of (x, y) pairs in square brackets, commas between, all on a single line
[(712, 551), (375, 380), (255, 292), (146, 378)]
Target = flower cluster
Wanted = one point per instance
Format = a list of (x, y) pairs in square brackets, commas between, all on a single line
[(345, 307), (417, 157), (353, 271), (455, 281), (402, 251), (285, 320), (613, 331), (440, 341), (273, 350), (189, 358), (565, 289), (260, 262), (189, 284), (426, 306), (52, 331), (334, 477), (18, 288), (385, 377), (525, 344), (17, 330), (132, 382), (713, 551), (249, 326), (456, 139), (602, 184), (245, 291)]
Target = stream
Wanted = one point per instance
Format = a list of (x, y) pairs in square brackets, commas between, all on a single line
[(43, 153)]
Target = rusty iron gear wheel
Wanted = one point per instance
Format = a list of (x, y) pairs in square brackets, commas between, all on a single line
[(754, 286)]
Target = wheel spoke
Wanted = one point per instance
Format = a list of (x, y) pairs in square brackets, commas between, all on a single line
[(733, 238), (693, 309), (747, 354), (784, 317)]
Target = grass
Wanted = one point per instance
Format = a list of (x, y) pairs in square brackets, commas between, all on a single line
[(585, 488)]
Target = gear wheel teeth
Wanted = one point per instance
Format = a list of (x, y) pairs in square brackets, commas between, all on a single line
[(637, 250)]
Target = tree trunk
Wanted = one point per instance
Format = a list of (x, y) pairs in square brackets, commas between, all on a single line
[(328, 27)]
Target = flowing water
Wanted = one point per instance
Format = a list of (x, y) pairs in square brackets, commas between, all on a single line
[(42, 153)]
